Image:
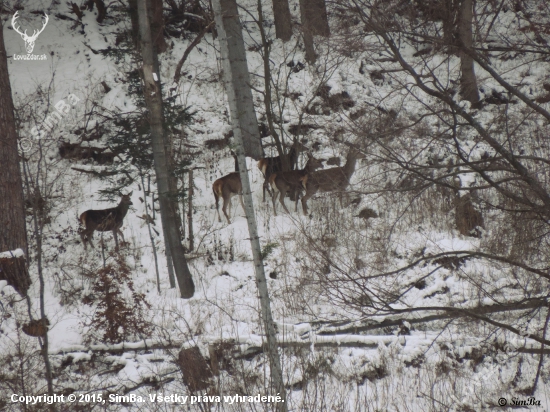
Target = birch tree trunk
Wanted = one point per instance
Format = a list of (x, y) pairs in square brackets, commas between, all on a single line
[(237, 77), (13, 233), (283, 20), (232, 60), (168, 213), (468, 80), (190, 194)]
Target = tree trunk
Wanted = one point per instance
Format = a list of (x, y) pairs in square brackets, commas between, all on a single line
[(314, 12), (153, 99), (283, 20), (13, 234), (226, 15), (236, 77), (157, 25), (134, 19), (311, 56), (190, 212), (449, 10), (268, 102), (468, 80)]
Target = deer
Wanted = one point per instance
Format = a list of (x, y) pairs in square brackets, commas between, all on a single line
[(29, 40), (270, 165), (226, 187), (330, 180), (104, 220), (283, 182)]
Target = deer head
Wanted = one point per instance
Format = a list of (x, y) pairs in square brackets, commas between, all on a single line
[(29, 40)]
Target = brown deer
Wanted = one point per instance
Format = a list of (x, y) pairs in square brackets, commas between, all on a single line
[(283, 182), (330, 180), (270, 165), (104, 220), (226, 187)]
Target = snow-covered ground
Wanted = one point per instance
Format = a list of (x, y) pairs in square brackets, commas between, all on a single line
[(321, 268)]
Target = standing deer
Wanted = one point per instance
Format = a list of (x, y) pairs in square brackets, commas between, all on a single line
[(104, 220), (270, 165), (330, 180), (283, 182), (226, 187)]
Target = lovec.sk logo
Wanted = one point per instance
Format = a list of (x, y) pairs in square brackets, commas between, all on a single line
[(29, 40)]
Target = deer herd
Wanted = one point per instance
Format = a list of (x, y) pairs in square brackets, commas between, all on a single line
[(335, 179), (308, 179)]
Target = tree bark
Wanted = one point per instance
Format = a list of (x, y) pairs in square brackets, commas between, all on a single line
[(153, 99), (314, 12), (134, 19), (228, 25), (236, 78), (450, 11), (190, 194), (468, 80), (283, 20), (266, 45), (157, 25), (13, 234), (311, 56)]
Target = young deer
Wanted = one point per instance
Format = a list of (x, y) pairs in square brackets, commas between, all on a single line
[(282, 182), (226, 187), (104, 220), (270, 165), (330, 180)]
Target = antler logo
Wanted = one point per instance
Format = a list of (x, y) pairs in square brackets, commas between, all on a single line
[(29, 40)]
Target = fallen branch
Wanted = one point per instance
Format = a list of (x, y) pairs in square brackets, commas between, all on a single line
[(101, 173), (346, 328)]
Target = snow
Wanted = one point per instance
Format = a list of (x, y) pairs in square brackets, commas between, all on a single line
[(17, 253), (225, 306)]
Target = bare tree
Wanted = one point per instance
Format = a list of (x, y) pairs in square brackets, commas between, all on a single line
[(157, 25), (315, 14), (236, 74), (168, 210), (468, 80), (283, 20), (472, 173), (13, 236), (235, 71)]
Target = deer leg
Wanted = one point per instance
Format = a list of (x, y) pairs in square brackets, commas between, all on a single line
[(304, 202), (266, 187), (242, 203), (298, 193), (87, 238), (116, 239), (224, 208), (84, 240), (121, 235), (282, 200), (273, 198), (119, 231), (218, 206)]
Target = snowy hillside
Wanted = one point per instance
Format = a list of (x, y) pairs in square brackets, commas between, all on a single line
[(423, 286)]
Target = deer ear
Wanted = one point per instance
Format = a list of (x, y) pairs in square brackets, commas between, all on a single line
[(130, 194)]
